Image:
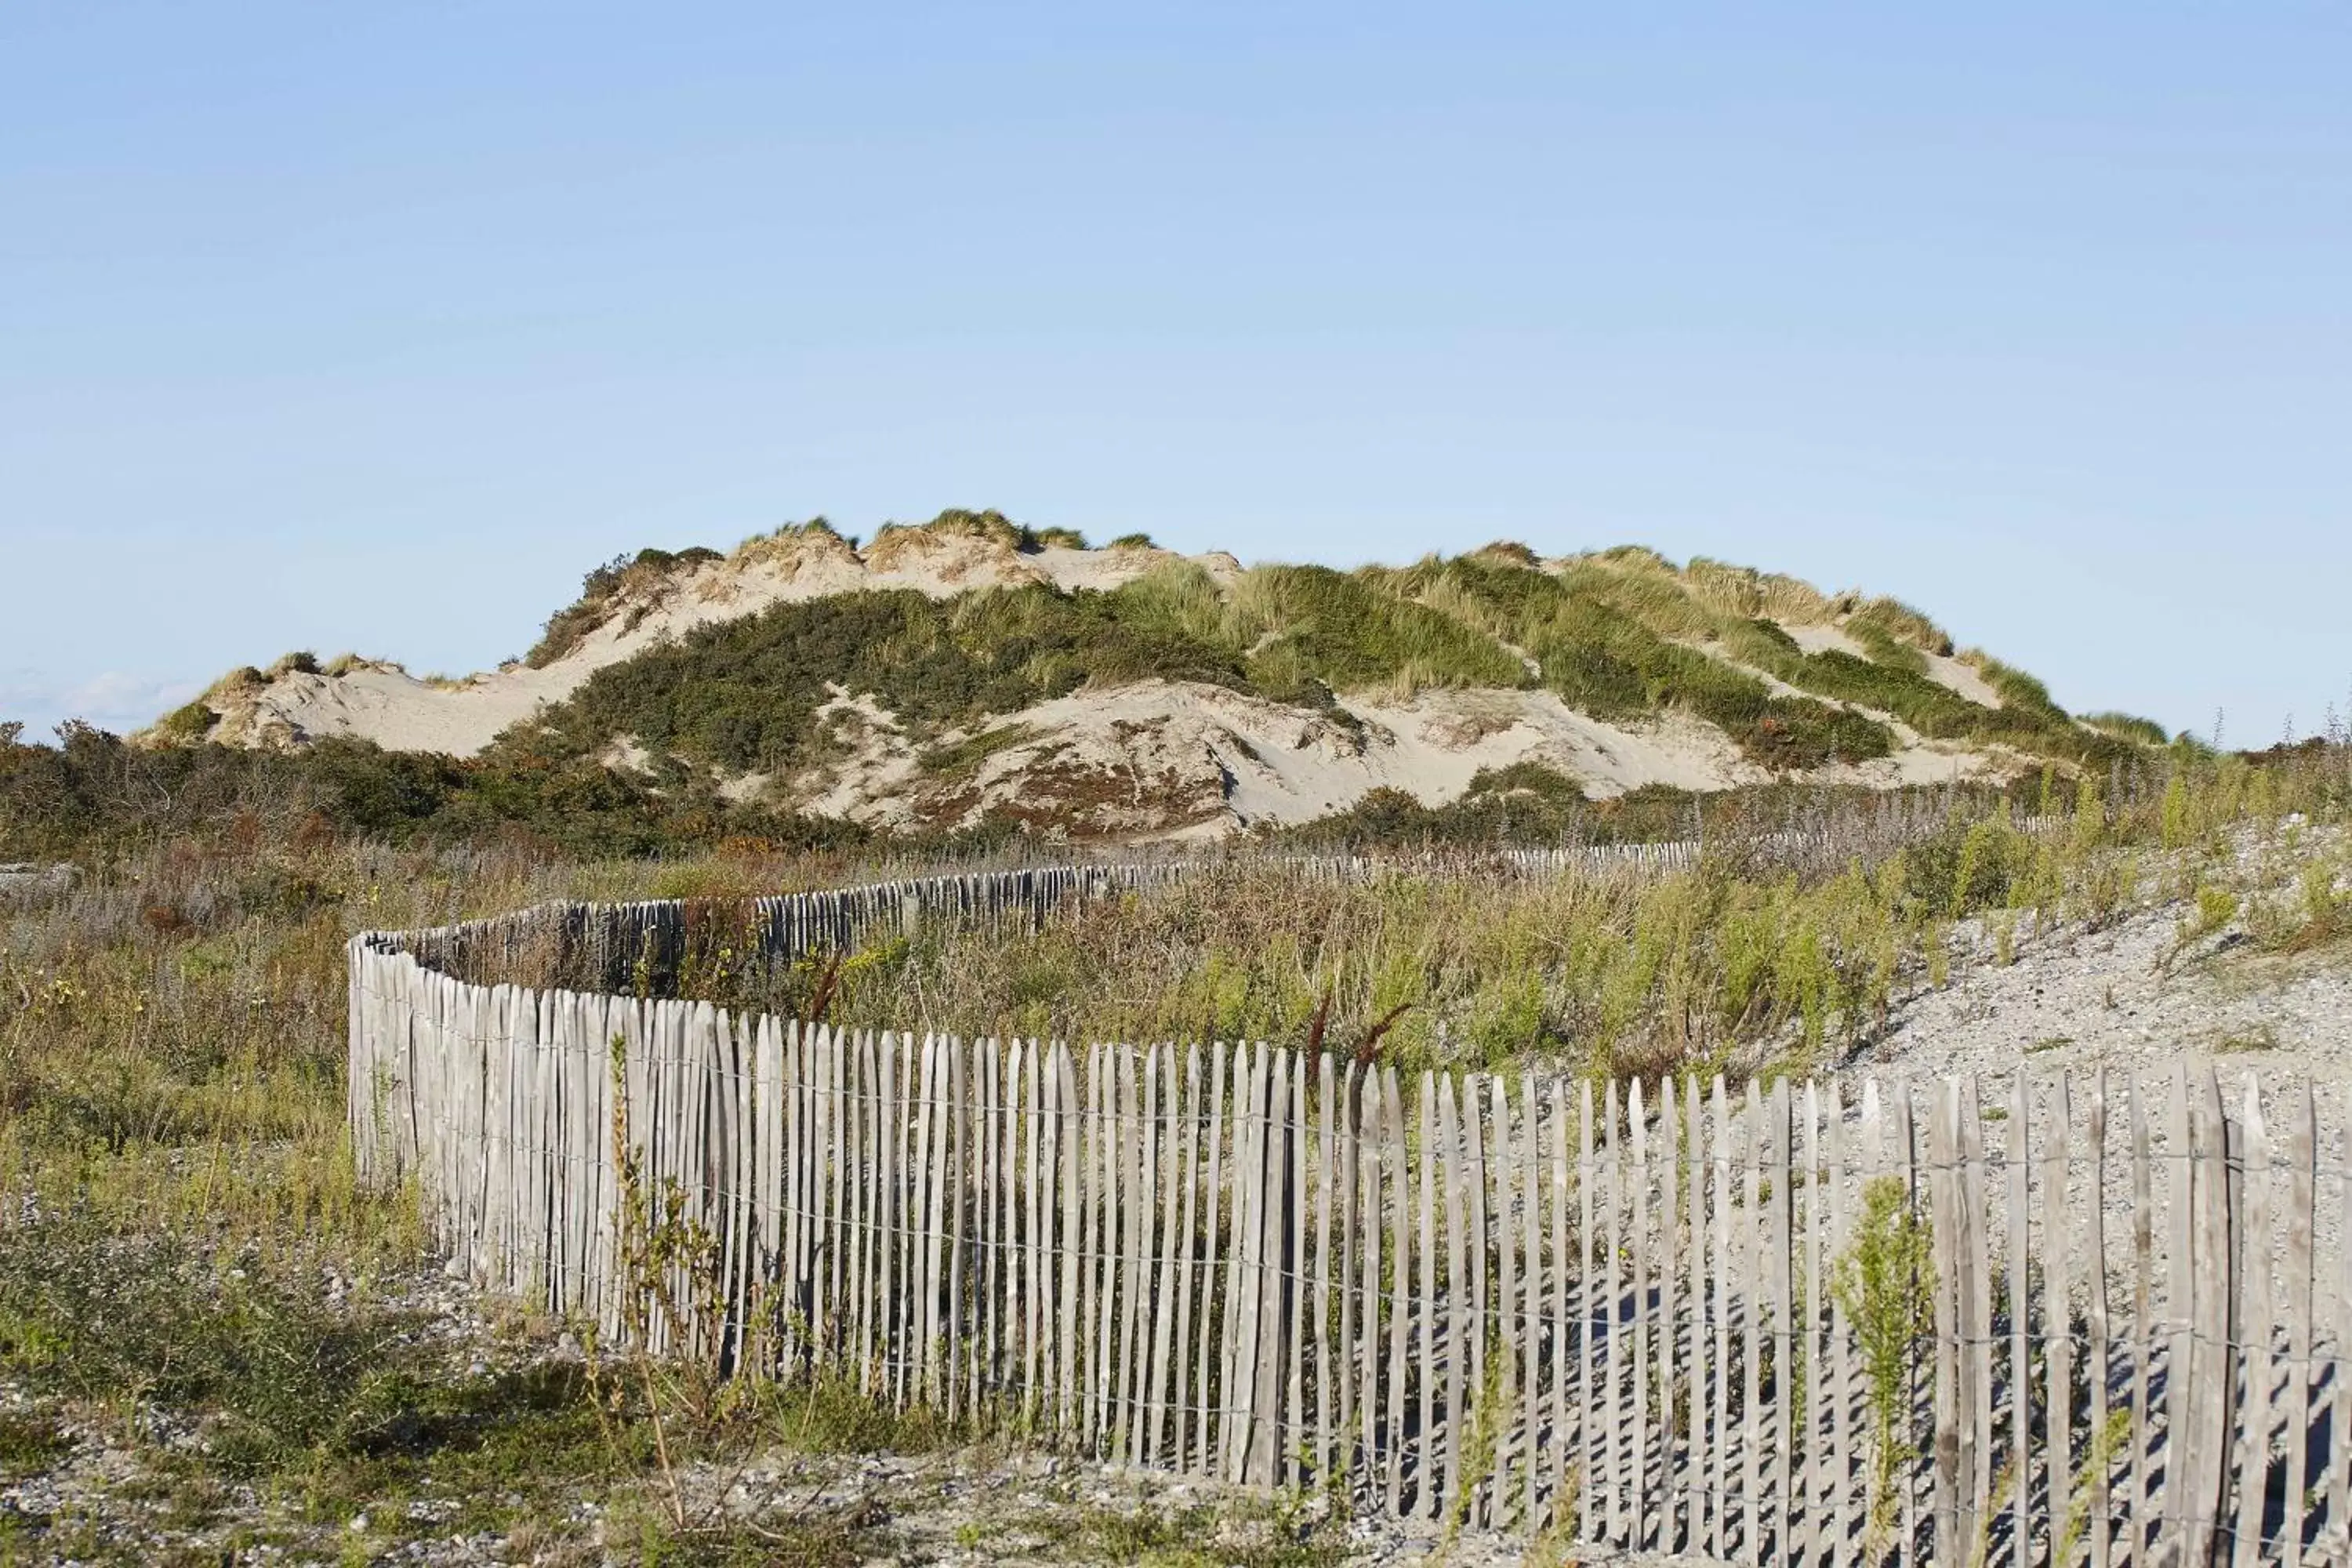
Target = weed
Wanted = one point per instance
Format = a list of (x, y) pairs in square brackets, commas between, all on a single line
[(28, 1444), (130, 1320), (2097, 1462), (1272, 1536), (1885, 1280), (1490, 1415), (2216, 908)]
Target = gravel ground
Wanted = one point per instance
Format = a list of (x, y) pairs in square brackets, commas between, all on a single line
[(106, 1502), (2079, 1000)]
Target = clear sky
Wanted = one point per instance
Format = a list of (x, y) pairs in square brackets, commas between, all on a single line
[(374, 327)]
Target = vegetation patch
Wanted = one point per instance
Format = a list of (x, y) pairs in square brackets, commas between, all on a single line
[(966, 755), (29, 1443), (2128, 727), (625, 581)]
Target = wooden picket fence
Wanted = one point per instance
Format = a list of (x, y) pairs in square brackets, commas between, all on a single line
[(2067, 1319)]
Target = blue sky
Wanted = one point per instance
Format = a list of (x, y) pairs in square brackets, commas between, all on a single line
[(375, 327)]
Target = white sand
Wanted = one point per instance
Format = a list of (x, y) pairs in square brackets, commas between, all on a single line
[(1193, 760), (1154, 758), (1944, 671), (384, 703)]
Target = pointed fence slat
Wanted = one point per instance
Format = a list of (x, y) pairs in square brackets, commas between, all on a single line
[(1613, 1436), (1841, 1515), (1976, 1320), (2294, 1278), (1166, 1176), (1400, 1306), (1951, 1290), (1457, 1331), (1779, 1200), (1592, 1512), (1371, 1160), (1096, 1250), (1232, 1416), (1505, 1166), (1290, 1254), (1205, 1388), (1755, 1501), (2251, 1481), (1140, 1106), (2057, 1350), (2101, 1461), (2339, 1465), (2202, 1367), (1697, 1503), (1530, 1327), (1325, 1425), (2140, 1516), (1476, 1169), (1637, 1461), (1719, 1526), (1069, 1170), (2016, 1177), (1188, 1176), (1816, 1380), (1563, 1328)]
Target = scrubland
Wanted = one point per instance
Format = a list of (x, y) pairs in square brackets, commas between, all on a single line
[(214, 1342)]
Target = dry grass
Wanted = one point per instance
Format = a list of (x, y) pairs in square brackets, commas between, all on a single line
[(177, 1194), (171, 1102)]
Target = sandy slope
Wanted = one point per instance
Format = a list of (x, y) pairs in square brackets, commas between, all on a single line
[(1191, 760), (1154, 758), (382, 702)]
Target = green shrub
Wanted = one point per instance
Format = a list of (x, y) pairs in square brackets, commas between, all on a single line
[(1893, 621), (1886, 1281), (741, 695), (106, 1317), (2127, 727), (188, 726), (1965, 867), (1354, 637)]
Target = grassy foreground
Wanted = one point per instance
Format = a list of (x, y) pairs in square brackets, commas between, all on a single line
[(190, 1273)]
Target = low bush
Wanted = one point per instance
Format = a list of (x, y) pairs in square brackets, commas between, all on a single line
[(148, 1318)]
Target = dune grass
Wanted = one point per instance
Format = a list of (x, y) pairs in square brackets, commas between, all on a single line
[(1734, 966), (2128, 727), (1618, 637)]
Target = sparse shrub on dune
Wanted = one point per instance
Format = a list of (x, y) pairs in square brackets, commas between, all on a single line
[(2129, 727), (1355, 637), (1899, 622), (626, 584), (187, 725), (1623, 635), (742, 695)]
